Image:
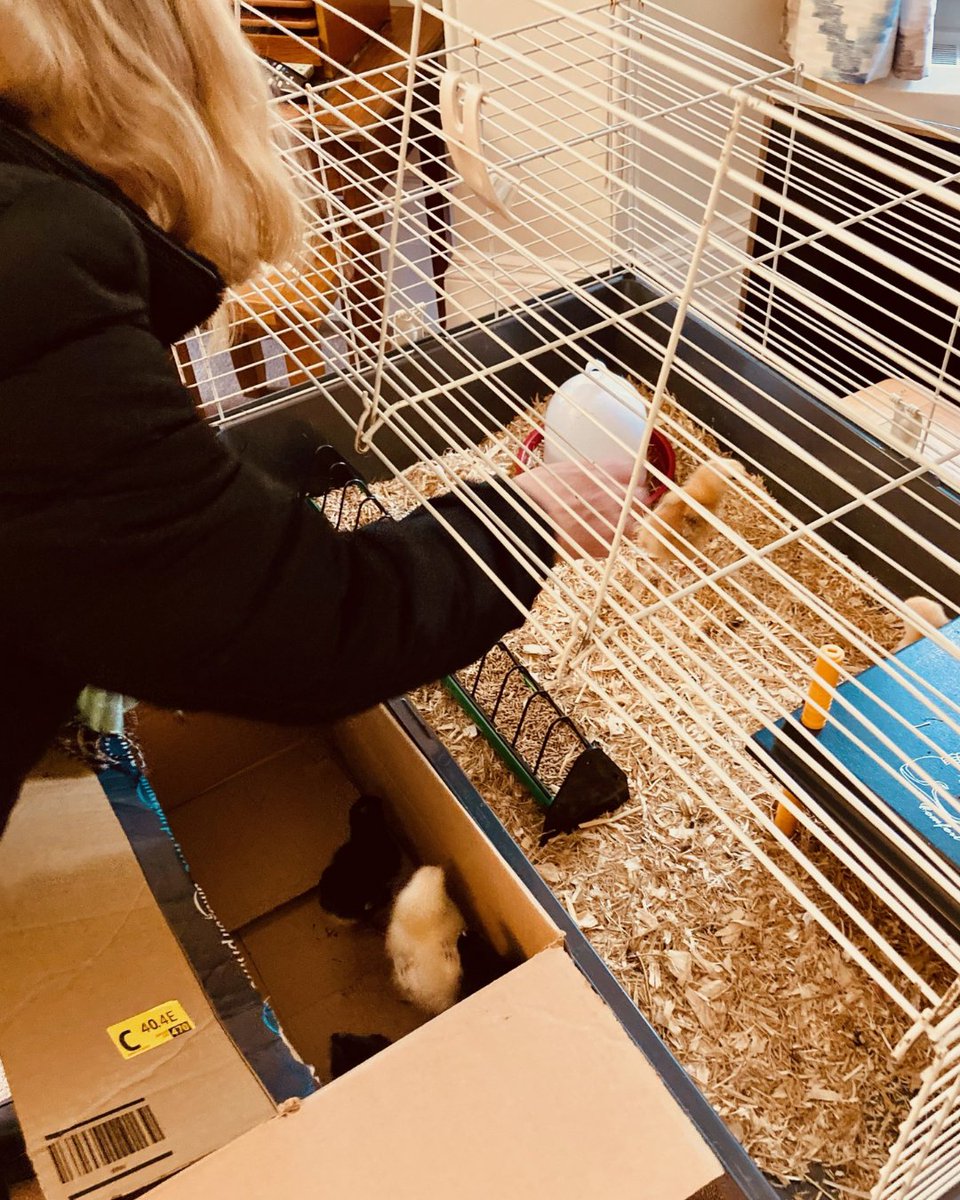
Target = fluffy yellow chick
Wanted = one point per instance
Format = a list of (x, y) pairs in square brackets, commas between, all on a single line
[(422, 936), (926, 610), (673, 522)]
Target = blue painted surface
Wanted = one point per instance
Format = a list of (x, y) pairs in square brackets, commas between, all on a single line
[(206, 944), (931, 806)]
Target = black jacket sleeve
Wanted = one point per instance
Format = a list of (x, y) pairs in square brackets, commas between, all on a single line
[(143, 558)]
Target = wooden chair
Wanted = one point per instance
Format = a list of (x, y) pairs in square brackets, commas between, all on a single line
[(278, 321), (322, 38), (288, 316), (282, 320)]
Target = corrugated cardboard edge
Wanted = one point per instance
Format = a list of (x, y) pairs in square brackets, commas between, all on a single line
[(479, 869), (212, 953), (65, 863), (529, 1088)]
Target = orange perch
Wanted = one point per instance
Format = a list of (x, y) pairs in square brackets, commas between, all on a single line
[(784, 819), (820, 692), (826, 674)]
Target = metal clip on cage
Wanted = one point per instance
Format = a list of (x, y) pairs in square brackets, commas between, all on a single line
[(571, 778)]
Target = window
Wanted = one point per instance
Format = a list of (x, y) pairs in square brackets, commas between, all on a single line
[(946, 34)]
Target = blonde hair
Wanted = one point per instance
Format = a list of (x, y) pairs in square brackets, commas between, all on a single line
[(166, 98)]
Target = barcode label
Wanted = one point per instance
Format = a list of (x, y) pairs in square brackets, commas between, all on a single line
[(102, 1145)]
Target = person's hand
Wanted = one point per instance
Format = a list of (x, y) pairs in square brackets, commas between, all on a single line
[(582, 502)]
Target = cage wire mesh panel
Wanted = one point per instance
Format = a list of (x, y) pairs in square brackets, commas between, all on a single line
[(573, 779), (776, 271)]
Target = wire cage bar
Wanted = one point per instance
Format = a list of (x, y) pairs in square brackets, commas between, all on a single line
[(776, 272), (571, 778)]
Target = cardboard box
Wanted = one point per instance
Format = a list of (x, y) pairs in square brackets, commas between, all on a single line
[(87, 953), (122, 1066)]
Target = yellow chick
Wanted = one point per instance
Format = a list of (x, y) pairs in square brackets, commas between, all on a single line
[(929, 612), (422, 936), (673, 522)]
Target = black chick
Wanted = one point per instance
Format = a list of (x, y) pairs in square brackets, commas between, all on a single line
[(361, 873), (349, 1050), (481, 963)]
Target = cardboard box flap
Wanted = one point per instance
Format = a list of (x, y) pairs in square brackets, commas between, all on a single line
[(263, 835), (529, 1088), (384, 760), (95, 1118), (230, 744)]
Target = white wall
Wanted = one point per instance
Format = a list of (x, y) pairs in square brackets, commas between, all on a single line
[(657, 215), (558, 226), (755, 23)]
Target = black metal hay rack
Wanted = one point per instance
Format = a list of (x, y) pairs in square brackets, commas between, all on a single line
[(570, 777)]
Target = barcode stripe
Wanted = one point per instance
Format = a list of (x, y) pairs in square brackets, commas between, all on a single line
[(75, 1159), (125, 1135), (109, 1142), (60, 1162), (113, 1142), (151, 1122), (90, 1145), (85, 1164)]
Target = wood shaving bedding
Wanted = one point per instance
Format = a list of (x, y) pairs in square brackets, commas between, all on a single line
[(788, 1039)]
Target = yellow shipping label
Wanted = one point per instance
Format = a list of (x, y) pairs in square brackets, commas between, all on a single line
[(150, 1029)]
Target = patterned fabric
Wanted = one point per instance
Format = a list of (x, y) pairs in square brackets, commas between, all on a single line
[(858, 41)]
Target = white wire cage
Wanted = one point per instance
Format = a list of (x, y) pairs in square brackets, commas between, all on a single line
[(777, 271)]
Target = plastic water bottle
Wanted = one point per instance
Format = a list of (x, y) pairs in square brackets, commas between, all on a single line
[(589, 413)]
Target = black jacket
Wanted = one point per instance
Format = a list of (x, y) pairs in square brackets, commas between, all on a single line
[(137, 554)]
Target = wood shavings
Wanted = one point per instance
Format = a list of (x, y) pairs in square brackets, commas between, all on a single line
[(789, 1042)]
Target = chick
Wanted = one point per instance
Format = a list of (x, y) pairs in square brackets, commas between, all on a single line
[(361, 873), (928, 611), (673, 522), (349, 1050), (481, 963), (422, 942)]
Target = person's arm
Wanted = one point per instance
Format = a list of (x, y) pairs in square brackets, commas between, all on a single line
[(144, 558)]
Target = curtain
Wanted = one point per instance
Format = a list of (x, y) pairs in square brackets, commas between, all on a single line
[(858, 41)]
